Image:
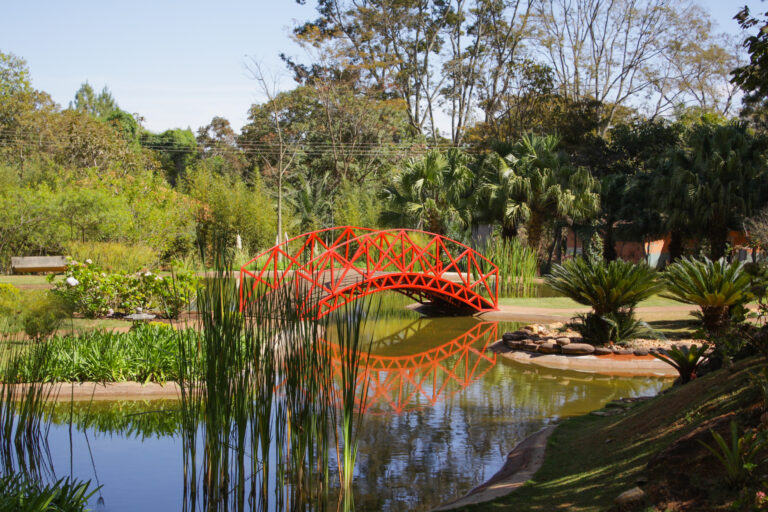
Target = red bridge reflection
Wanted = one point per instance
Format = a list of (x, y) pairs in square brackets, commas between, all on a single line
[(402, 383)]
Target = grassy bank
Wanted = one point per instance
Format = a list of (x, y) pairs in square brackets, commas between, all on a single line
[(590, 459)]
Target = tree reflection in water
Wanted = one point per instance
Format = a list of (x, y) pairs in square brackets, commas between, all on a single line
[(440, 418)]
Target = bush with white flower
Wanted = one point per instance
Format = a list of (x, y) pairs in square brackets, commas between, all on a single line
[(93, 292)]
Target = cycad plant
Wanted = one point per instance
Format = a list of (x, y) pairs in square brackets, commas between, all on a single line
[(612, 290), (714, 286)]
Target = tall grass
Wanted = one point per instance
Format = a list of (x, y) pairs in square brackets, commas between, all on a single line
[(146, 353), (26, 405), (517, 266), (114, 256), (259, 407)]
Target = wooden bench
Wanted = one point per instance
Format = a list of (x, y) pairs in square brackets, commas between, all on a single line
[(32, 264)]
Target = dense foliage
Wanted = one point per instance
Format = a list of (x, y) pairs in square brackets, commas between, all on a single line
[(643, 151)]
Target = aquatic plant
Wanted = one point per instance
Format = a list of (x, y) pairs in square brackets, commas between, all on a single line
[(257, 392), (517, 266), (20, 494), (147, 353)]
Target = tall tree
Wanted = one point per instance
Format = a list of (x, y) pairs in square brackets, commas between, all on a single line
[(622, 51), (752, 77), (720, 178), (541, 187), (97, 105)]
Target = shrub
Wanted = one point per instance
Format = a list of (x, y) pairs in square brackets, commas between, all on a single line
[(715, 287), (685, 360), (612, 327), (606, 287), (612, 290), (114, 256), (94, 293), (9, 299), (42, 312)]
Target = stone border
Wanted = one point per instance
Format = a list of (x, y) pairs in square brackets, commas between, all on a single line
[(102, 391), (521, 465), (627, 365)]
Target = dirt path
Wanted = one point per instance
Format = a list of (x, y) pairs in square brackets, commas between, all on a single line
[(538, 314), (522, 463)]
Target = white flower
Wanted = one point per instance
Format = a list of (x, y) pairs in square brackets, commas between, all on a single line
[(158, 278), (110, 312), (88, 261), (71, 281), (147, 273), (139, 310)]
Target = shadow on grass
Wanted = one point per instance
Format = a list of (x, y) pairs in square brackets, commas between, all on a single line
[(676, 329)]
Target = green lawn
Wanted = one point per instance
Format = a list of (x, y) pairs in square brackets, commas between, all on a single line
[(26, 280), (566, 303), (590, 460)]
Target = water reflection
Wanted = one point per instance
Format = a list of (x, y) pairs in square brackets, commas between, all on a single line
[(442, 414)]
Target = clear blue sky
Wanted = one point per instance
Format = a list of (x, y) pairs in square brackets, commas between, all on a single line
[(176, 63)]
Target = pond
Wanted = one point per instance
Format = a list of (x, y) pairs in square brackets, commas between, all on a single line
[(441, 416)]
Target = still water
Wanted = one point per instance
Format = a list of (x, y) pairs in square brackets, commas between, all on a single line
[(441, 416)]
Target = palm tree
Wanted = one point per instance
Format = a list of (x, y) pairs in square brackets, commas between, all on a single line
[(311, 202), (432, 192), (534, 184), (719, 179), (713, 286)]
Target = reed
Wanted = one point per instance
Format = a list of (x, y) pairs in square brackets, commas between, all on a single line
[(257, 394), (517, 266)]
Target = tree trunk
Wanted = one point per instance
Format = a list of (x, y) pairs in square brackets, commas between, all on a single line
[(508, 232), (675, 246), (609, 243), (717, 242), (714, 319), (535, 228)]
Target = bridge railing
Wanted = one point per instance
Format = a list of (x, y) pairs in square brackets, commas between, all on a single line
[(332, 261)]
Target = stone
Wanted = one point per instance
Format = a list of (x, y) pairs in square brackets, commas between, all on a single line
[(603, 351), (515, 345), (531, 328), (631, 498), (609, 412), (540, 341), (576, 349), (530, 346), (563, 341), (515, 336), (622, 351), (549, 348), (641, 352)]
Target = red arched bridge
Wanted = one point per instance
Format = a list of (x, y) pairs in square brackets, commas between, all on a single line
[(329, 268)]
